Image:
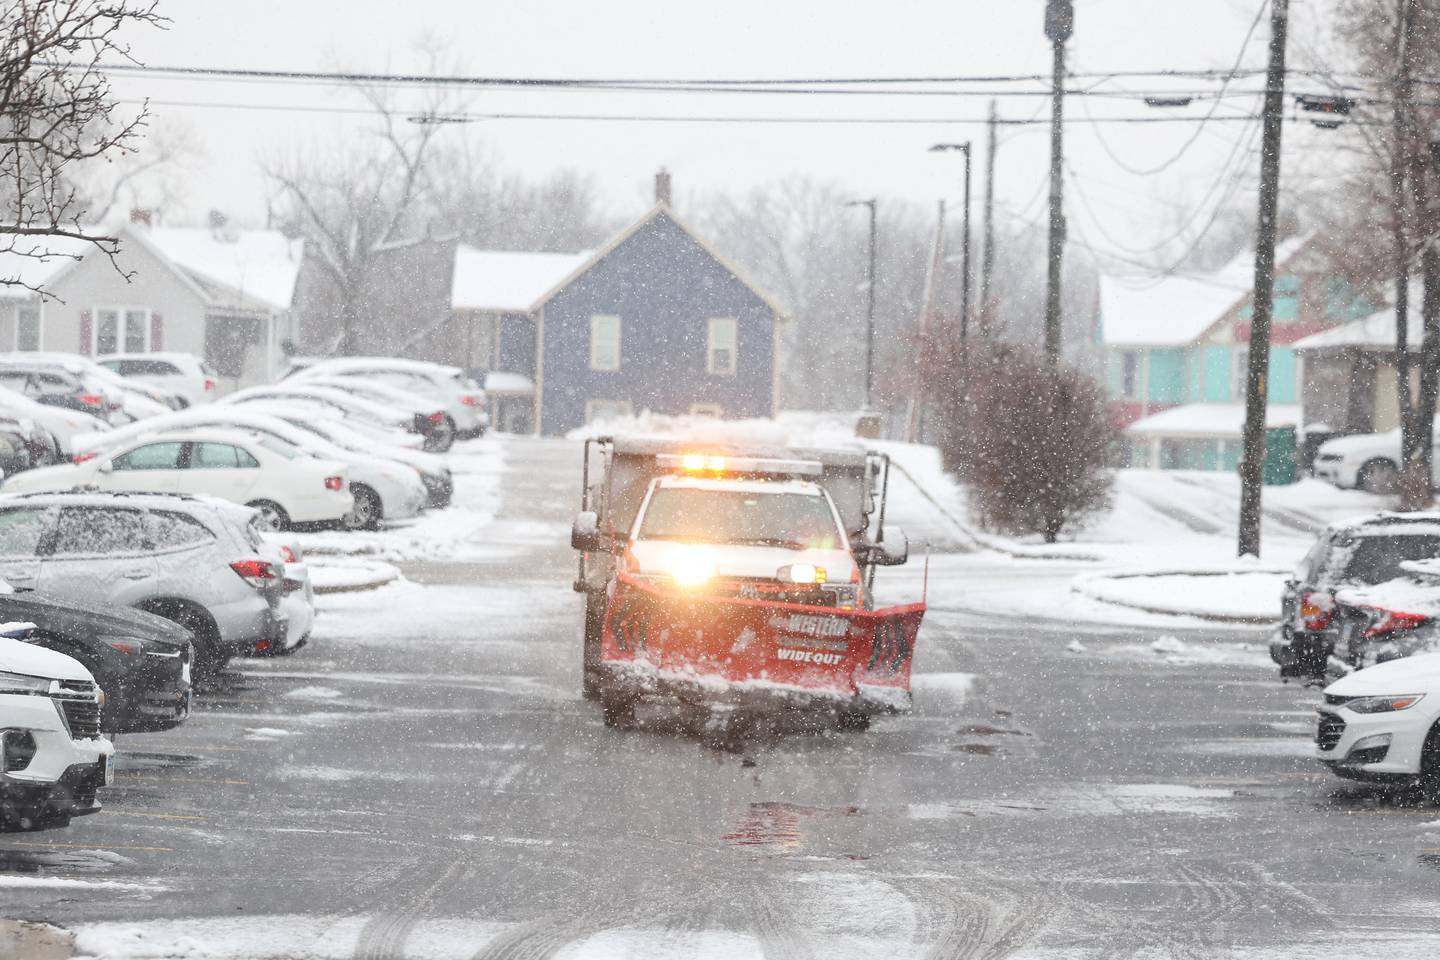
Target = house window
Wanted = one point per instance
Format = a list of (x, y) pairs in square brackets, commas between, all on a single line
[(604, 342), (599, 410), (720, 352), (713, 410), (121, 330), (1129, 373), (27, 328)]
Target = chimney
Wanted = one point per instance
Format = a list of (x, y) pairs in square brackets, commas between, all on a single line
[(662, 187), (140, 215)]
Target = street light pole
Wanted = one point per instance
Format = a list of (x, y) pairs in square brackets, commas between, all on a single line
[(1059, 24), (965, 240), (870, 306)]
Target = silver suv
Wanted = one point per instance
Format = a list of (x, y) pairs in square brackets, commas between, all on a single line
[(198, 561)]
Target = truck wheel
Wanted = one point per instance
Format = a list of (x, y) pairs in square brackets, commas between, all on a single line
[(590, 649), (618, 709), (857, 720)]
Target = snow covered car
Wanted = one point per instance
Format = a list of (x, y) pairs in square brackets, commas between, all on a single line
[(142, 662), (197, 561), (136, 398), (1353, 553), (383, 489), (185, 376), (62, 425), (433, 423), (1380, 724), (464, 399), (53, 760), (57, 387), (364, 414), (1362, 461), (285, 484)]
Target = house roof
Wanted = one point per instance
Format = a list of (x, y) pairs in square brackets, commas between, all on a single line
[(1216, 420), (32, 272), (520, 282), (258, 265), (1373, 333), (1175, 309), (504, 281)]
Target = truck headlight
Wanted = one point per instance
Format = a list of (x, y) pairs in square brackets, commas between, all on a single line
[(23, 683), (801, 573), (692, 568), (1384, 704)]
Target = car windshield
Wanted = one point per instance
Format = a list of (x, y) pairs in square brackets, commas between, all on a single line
[(1377, 558), (783, 519)]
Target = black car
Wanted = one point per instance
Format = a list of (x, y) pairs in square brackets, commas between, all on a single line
[(141, 661), (1354, 553)]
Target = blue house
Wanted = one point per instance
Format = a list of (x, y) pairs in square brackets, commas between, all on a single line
[(653, 321)]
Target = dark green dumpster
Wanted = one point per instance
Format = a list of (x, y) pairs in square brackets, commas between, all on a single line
[(1281, 456)]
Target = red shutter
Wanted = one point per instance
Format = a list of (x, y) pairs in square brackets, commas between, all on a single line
[(157, 333), (87, 332)]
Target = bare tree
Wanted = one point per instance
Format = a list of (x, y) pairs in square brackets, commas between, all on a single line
[(56, 114)]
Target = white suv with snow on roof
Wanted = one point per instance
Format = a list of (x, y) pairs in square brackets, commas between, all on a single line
[(52, 757), (740, 578)]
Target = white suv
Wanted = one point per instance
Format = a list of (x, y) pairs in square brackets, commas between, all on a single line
[(52, 757), (187, 376)]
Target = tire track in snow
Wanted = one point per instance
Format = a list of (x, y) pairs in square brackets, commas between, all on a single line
[(383, 937)]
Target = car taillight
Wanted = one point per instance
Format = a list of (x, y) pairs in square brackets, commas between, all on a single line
[(1391, 621), (91, 399), (261, 646), (210, 384), (473, 400), (334, 483), (257, 573), (82, 457), (435, 417), (1316, 610), (287, 554)]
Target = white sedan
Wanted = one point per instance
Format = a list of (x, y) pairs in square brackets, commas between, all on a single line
[(1379, 723), (382, 488), (1365, 461), (282, 482)]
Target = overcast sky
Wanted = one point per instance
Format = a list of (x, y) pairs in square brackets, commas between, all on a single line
[(739, 39)]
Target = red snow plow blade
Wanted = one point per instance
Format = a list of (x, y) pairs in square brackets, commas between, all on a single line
[(660, 640)]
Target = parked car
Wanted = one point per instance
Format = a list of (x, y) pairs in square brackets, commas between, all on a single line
[(53, 760), (1390, 620), (1382, 724), (188, 377), (59, 388), (464, 400), (142, 661), (1363, 461), (137, 399), (298, 603), (61, 424), (433, 423), (282, 482), (199, 562), (24, 444), (433, 470), (382, 489), (356, 410), (1360, 552)]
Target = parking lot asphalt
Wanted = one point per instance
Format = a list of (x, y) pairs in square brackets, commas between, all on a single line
[(424, 780)]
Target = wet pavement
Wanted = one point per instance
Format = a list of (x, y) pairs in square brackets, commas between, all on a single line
[(424, 780)]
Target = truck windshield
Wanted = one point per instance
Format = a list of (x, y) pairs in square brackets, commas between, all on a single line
[(795, 520)]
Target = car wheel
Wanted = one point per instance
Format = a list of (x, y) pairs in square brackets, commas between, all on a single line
[(1379, 476), (207, 657), (272, 516), (1429, 779), (367, 512)]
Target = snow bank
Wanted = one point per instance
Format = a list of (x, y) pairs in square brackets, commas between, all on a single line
[(349, 576), (1240, 594)]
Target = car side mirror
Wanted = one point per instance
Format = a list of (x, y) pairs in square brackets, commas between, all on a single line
[(893, 551), (585, 532), (106, 466)]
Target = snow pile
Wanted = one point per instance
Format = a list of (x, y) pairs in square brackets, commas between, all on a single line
[(1240, 594), (346, 576)]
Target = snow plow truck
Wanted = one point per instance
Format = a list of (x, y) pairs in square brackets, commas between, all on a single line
[(739, 579)]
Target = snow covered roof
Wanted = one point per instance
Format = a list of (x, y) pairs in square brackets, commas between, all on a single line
[(1171, 310), (508, 281), (1375, 332), (252, 264), (37, 271), (1216, 420)]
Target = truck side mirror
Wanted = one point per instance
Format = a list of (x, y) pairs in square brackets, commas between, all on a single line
[(585, 532), (893, 551)]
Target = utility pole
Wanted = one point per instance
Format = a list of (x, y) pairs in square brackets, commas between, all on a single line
[(965, 240), (870, 306), (987, 256), (1059, 25), (1405, 163), (1252, 460)]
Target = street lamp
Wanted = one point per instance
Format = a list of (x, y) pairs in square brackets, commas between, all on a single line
[(965, 245), (870, 308)]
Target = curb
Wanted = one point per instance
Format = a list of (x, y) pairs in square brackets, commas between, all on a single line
[(1084, 586), (368, 576)]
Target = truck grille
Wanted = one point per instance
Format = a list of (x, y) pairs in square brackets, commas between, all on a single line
[(80, 703), (745, 589), (1329, 731)]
